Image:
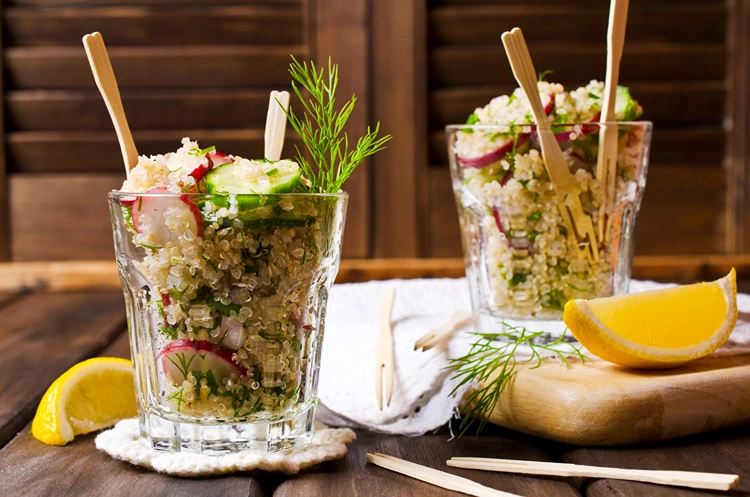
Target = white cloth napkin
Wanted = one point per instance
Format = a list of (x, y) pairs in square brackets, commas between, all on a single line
[(421, 391)]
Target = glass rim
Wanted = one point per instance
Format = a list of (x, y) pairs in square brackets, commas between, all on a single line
[(630, 124), (118, 194)]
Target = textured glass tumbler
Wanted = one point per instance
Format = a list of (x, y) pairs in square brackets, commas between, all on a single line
[(226, 299), (523, 258)]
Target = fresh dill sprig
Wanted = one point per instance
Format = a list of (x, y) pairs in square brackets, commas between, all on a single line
[(491, 364), (321, 128)]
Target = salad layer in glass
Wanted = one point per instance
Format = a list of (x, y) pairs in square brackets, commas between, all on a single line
[(226, 268), (523, 261)]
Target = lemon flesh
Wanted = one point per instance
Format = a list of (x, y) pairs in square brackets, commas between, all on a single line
[(91, 395), (658, 328)]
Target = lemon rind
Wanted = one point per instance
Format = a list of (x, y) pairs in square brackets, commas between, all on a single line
[(612, 347), (60, 390)]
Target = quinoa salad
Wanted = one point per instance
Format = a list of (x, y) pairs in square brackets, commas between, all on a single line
[(234, 279), (533, 265)]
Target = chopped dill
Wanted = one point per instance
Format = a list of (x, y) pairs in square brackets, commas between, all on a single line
[(491, 364)]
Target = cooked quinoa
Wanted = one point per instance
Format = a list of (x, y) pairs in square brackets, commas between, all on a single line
[(532, 264), (235, 278)]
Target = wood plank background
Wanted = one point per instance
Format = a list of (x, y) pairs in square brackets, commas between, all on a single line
[(416, 66)]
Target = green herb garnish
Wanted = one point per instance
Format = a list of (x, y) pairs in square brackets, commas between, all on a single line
[(211, 383), (223, 308), (491, 363), (594, 96), (534, 216), (543, 75), (272, 171), (321, 129), (517, 279), (183, 364), (511, 99), (472, 119), (178, 397), (197, 152)]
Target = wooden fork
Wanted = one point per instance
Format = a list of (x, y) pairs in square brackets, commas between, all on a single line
[(562, 181)]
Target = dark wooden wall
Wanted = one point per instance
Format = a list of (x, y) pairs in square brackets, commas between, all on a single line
[(204, 69)]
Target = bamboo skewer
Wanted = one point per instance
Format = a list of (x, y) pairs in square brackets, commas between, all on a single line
[(101, 67), (278, 104), (384, 349), (567, 198), (443, 332), (606, 165), (710, 481), (435, 477)]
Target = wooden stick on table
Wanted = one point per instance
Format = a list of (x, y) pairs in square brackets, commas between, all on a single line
[(710, 481), (567, 199), (104, 76), (444, 331), (435, 477), (384, 349), (278, 105), (606, 165)]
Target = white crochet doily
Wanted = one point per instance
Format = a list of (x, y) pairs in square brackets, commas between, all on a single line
[(124, 442)]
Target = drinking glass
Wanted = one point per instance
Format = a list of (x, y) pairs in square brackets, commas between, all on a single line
[(226, 301), (523, 260)]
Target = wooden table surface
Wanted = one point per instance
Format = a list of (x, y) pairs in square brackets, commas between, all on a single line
[(43, 334)]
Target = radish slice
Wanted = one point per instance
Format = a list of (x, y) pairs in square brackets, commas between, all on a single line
[(128, 201), (149, 212), (219, 159), (494, 156), (550, 104), (200, 171), (506, 177), (182, 356), (231, 333), (498, 220)]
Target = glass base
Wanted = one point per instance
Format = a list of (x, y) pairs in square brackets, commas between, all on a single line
[(178, 436), (552, 329)]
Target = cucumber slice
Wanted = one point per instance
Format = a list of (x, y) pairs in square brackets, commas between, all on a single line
[(626, 109), (235, 178)]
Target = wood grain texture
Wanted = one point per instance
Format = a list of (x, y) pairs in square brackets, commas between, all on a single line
[(4, 207), (444, 230), (79, 469), (334, 21), (147, 25), (590, 404), (60, 151), (693, 201), (651, 22), (399, 103), (487, 65), (61, 217), (147, 109), (353, 476), (233, 66), (48, 333), (722, 452), (96, 3), (738, 120)]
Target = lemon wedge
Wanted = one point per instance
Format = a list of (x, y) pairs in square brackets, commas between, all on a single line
[(92, 395), (658, 328)]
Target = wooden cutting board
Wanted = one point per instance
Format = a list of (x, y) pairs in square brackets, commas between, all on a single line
[(603, 404)]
